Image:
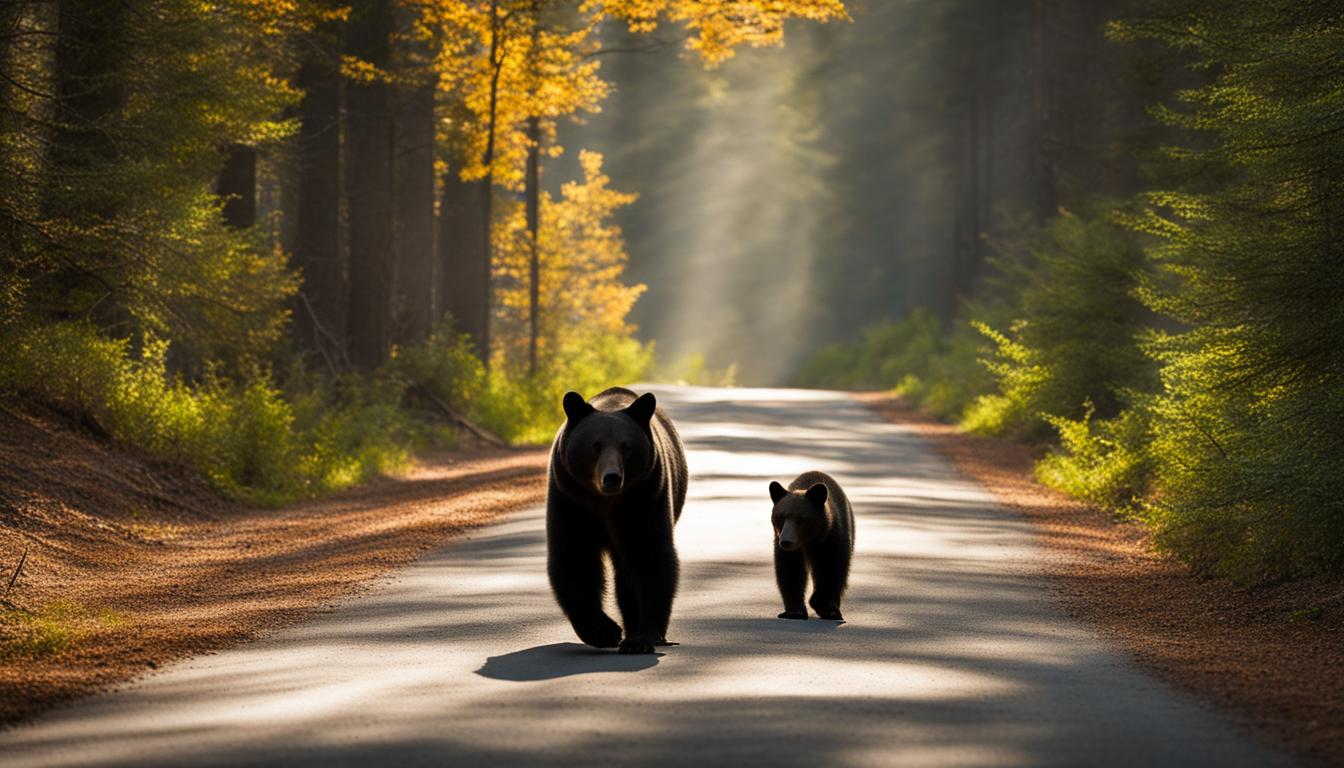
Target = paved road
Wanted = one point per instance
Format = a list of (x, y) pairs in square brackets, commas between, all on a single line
[(952, 654)]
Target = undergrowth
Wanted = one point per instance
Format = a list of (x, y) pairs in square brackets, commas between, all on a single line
[(55, 627), (268, 441)]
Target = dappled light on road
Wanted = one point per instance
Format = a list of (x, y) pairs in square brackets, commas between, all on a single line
[(951, 652)]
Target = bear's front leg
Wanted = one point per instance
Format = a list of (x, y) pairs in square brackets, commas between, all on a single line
[(627, 598), (578, 579), (829, 574), (646, 583), (826, 607), (791, 576)]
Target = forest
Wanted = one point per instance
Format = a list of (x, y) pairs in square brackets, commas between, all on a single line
[(287, 243), (267, 238)]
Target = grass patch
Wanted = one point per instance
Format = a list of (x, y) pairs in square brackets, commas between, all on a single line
[(1315, 613), (54, 628)]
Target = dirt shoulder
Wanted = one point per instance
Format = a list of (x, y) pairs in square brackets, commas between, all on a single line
[(1273, 658), (135, 564)]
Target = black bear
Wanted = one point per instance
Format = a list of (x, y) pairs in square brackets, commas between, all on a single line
[(617, 485), (814, 530)]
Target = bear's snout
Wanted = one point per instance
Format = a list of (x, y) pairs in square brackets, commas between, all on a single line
[(788, 536), (610, 473)]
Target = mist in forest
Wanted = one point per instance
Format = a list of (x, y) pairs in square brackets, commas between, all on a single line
[(785, 197), (793, 196)]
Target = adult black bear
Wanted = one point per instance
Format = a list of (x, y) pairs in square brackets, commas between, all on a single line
[(617, 485), (814, 529)]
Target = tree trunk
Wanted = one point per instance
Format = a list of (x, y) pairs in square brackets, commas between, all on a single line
[(10, 15), (465, 244), (967, 191), (88, 91), (488, 192), (237, 185), (464, 262), (415, 214), (533, 194), (319, 306), (1046, 202), (89, 63), (369, 184)]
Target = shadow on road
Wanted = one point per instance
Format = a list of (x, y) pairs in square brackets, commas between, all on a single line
[(548, 662), (748, 628)]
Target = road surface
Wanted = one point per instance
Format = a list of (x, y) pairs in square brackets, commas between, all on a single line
[(952, 653)]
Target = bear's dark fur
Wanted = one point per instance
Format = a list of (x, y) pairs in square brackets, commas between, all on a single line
[(617, 485), (814, 530)]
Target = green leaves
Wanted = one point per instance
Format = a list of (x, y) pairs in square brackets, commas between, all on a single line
[(1247, 458)]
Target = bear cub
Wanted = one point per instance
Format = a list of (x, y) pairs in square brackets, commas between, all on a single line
[(814, 530), (617, 485)]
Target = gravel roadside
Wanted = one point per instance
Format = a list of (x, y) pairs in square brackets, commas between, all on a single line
[(1272, 657), (132, 564)]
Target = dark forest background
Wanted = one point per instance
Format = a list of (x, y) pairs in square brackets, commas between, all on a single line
[(790, 197)]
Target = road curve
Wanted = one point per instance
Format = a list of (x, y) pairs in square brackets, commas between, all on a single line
[(952, 653)]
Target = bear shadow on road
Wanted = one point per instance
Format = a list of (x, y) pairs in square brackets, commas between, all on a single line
[(812, 625), (548, 662)]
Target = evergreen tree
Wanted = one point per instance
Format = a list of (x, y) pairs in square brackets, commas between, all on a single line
[(1248, 445), (111, 167)]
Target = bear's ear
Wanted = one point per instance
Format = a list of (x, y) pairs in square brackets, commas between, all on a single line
[(777, 491), (642, 409), (817, 494), (576, 407)]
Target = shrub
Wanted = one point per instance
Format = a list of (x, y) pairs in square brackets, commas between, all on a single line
[(914, 357), (245, 437), (445, 364), (526, 409), (1075, 342), (948, 376), (1247, 459), (1105, 462)]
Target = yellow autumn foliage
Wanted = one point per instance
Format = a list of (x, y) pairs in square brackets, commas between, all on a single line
[(717, 27), (581, 259), (540, 58)]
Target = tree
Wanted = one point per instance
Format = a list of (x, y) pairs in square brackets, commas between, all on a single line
[(512, 73), (122, 136), (463, 257), (90, 86), (414, 172), (1250, 458), (237, 186), (369, 165), (1073, 348), (580, 257), (319, 304)]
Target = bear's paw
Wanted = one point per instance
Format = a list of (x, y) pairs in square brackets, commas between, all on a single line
[(635, 645)]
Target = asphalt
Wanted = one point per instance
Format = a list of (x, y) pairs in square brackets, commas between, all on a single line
[(953, 652)]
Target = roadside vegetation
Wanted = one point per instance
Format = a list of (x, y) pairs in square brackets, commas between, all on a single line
[(55, 627), (1180, 348)]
